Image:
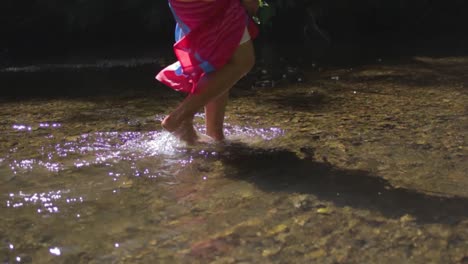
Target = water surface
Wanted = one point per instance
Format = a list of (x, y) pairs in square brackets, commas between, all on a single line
[(346, 165)]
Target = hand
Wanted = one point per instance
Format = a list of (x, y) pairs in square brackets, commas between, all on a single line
[(251, 6)]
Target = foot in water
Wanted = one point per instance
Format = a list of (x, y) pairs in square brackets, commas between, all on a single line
[(184, 131)]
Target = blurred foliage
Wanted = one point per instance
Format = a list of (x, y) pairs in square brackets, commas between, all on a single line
[(79, 15), (74, 19), (350, 18), (283, 20)]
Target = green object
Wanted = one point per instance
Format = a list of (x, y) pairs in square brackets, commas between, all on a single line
[(265, 13)]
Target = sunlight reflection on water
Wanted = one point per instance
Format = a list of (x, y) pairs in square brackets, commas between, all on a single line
[(108, 159), (130, 148), (159, 143), (46, 202)]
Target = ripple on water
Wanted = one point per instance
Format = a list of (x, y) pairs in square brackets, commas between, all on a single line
[(129, 151), (75, 177)]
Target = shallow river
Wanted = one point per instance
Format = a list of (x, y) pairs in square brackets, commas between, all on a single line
[(341, 165)]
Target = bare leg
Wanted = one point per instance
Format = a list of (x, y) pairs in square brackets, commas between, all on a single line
[(214, 117), (211, 87)]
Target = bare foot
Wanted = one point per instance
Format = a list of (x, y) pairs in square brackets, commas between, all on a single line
[(217, 137), (169, 124), (184, 131), (187, 133), (204, 139)]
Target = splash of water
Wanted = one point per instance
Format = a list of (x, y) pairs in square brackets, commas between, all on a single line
[(110, 148)]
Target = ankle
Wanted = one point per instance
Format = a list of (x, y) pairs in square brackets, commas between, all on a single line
[(171, 124), (216, 135)]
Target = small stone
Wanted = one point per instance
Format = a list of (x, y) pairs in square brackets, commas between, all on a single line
[(282, 237), (277, 229), (324, 210), (271, 251), (72, 138), (316, 254), (301, 220)]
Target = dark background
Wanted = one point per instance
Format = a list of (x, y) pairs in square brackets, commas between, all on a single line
[(67, 34), (34, 27)]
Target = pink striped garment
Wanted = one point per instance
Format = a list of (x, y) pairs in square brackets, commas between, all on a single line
[(207, 35)]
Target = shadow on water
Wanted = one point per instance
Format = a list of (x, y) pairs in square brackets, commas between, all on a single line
[(280, 170)]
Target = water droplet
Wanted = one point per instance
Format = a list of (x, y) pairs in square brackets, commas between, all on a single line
[(116, 245), (55, 251)]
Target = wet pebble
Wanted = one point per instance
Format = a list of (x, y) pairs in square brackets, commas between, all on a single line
[(316, 254), (278, 229), (73, 138), (271, 251), (302, 220), (324, 211)]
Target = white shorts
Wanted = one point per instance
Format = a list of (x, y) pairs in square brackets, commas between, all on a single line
[(245, 37)]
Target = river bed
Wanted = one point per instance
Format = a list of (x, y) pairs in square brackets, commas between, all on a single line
[(341, 165)]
